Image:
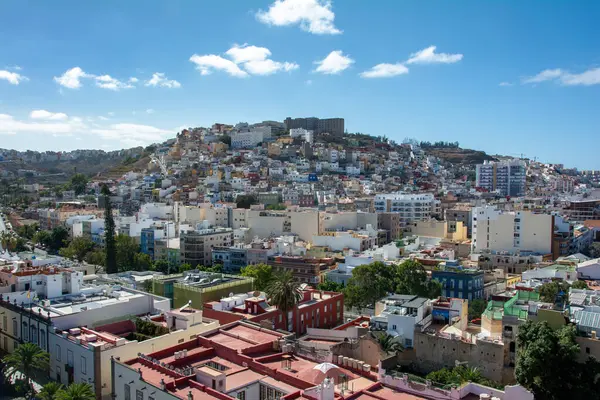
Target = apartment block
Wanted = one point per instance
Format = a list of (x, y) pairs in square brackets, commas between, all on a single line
[(196, 246), (512, 232), (333, 126), (304, 269), (410, 207), (507, 177)]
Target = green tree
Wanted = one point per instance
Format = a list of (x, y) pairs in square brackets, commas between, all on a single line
[(331, 286), (262, 274), (27, 231), (27, 359), (543, 354), (389, 343), (369, 283), (147, 286), (163, 266), (77, 391), (245, 201), (142, 262), (185, 267), (110, 245), (96, 257), (476, 308), (79, 183), (549, 292), (226, 139), (411, 278), (579, 285), (41, 237), (593, 250), (126, 249), (8, 241), (58, 238), (77, 249), (284, 293), (50, 391)]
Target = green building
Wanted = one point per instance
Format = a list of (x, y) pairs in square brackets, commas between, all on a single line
[(199, 287)]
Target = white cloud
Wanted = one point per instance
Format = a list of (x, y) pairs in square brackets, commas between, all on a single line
[(120, 134), (12, 77), (268, 67), (385, 71), (334, 63), (110, 83), (103, 118), (545, 75), (133, 79), (314, 16), (71, 79), (245, 52), (9, 125), (159, 79), (429, 56), (208, 63), (129, 133), (245, 59), (14, 67), (505, 84), (586, 78), (110, 114), (150, 111), (47, 115)]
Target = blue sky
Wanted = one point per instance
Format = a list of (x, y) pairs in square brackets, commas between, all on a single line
[(506, 77)]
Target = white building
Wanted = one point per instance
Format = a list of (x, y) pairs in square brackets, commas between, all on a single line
[(354, 240), (511, 232), (398, 315), (411, 207), (241, 140), (306, 135)]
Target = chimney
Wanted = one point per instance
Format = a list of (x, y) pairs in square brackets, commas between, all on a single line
[(594, 335), (190, 396), (327, 390), (163, 386)]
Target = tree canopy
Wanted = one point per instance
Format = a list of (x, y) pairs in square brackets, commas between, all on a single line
[(543, 356), (77, 249), (371, 282), (262, 274)]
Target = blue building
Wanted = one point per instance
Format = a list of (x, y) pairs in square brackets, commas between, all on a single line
[(459, 282), (233, 259), (147, 241)]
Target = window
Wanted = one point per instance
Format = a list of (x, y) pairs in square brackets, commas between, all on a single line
[(57, 352), (408, 342), (25, 332), (69, 358), (83, 365), (127, 391), (139, 395), (393, 327), (587, 350), (43, 339), (241, 396), (15, 327), (5, 323), (33, 336)]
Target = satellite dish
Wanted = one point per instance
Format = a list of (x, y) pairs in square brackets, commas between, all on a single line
[(230, 294), (256, 293)]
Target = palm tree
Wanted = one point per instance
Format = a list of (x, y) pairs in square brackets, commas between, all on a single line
[(468, 374), (77, 391), (27, 359), (389, 343), (284, 292), (50, 391)]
